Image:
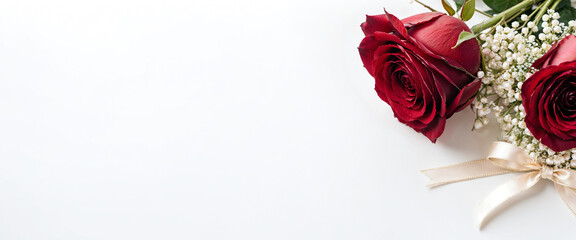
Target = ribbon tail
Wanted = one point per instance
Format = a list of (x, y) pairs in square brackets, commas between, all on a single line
[(568, 195), (462, 172), (504, 193)]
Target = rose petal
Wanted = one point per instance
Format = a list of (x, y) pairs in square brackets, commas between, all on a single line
[(560, 52)]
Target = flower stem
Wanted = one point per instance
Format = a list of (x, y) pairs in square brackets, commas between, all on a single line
[(555, 5), (506, 15), (543, 10), (483, 13), (426, 6)]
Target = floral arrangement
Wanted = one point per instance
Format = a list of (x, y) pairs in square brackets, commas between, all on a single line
[(518, 65)]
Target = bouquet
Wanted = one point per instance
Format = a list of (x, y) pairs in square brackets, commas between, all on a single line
[(517, 66)]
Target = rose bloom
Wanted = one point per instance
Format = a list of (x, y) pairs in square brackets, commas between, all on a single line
[(416, 70), (549, 97)]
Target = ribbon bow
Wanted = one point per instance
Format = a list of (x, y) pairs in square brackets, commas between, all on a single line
[(506, 158)]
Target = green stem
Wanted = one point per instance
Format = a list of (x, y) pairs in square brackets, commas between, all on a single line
[(555, 5), (531, 15), (426, 6), (520, 7), (543, 10), (483, 13)]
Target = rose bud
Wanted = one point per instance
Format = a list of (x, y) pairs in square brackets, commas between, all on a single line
[(417, 71), (549, 97)]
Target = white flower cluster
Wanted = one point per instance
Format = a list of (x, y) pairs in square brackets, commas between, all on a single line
[(509, 52)]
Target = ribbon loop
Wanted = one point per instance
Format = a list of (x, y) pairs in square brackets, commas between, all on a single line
[(547, 172), (505, 158)]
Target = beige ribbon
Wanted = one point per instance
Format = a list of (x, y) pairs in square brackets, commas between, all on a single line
[(506, 158)]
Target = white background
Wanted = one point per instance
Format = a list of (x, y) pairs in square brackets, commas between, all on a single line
[(252, 119)]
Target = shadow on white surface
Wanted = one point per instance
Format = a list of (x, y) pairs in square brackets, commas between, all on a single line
[(513, 202), (460, 137)]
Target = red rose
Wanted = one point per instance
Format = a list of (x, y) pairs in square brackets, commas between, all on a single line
[(416, 70), (549, 97)]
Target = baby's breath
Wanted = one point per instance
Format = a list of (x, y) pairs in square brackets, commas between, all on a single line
[(509, 52)]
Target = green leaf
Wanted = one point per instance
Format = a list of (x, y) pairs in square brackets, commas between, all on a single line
[(567, 14), (464, 36), (448, 7), (468, 10), (566, 11), (501, 5), (459, 4)]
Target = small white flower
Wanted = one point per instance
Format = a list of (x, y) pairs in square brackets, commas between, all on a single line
[(545, 17), (483, 37), (524, 17), (510, 36), (542, 36), (522, 124), (478, 124), (531, 24), (557, 29), (495, 48), (521, 48), (497, 37), (480, 74), (515, 24), (514, 121), (556, 16)]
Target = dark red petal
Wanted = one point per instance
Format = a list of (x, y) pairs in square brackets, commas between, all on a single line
[(397, 25), (440, 35), (367, 48), (434, 129), (464, 98), (421, 18), (557, 144), (376, 23)]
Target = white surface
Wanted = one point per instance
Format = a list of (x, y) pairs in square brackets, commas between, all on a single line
[(125, 119)]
